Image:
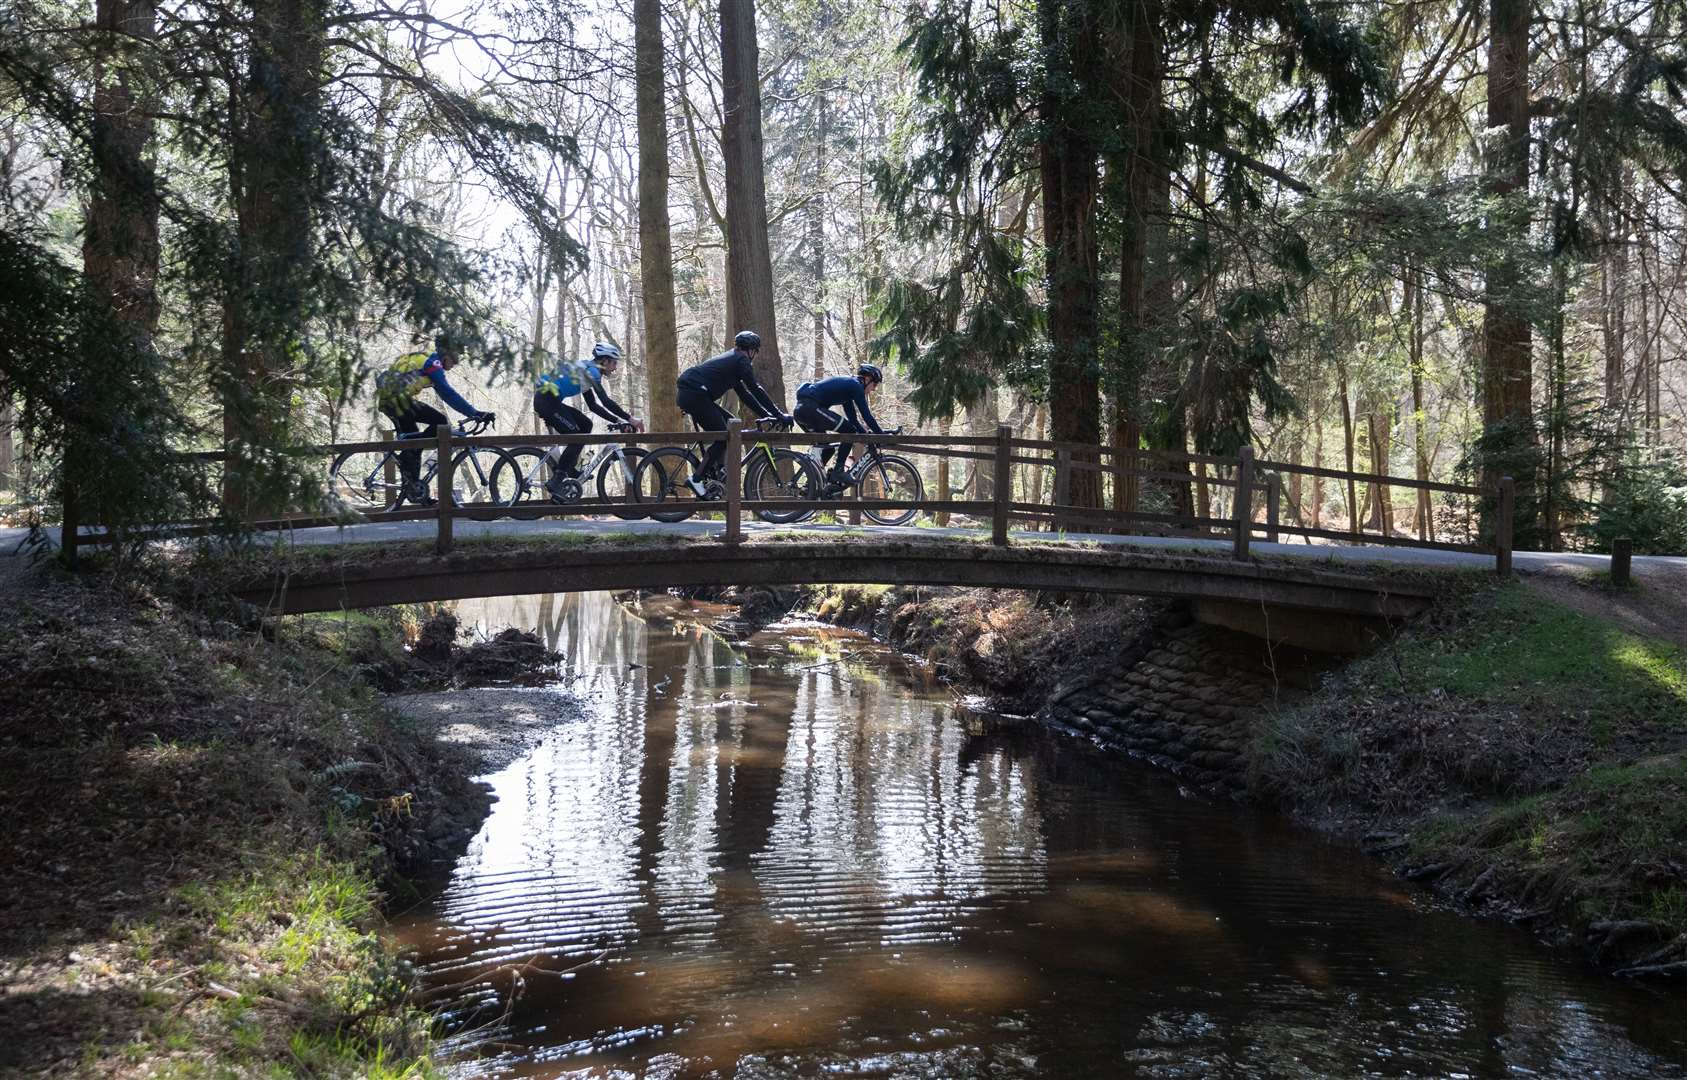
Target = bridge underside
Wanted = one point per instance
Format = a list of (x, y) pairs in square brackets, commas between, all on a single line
[(1217, 584)]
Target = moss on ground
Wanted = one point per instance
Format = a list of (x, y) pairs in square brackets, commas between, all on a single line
[(204, 820), (1532, 757)]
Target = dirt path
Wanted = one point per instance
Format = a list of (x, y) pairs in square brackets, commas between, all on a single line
[(1655, 608)]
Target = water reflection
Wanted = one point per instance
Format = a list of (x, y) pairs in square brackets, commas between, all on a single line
[(795, 858)]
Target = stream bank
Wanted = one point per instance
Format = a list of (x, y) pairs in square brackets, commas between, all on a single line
[(208, 820), (1523, 757)]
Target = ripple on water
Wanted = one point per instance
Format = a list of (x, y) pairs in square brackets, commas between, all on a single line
[(775, 865)]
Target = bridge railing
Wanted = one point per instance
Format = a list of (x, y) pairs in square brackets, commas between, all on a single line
[(1040, 483)]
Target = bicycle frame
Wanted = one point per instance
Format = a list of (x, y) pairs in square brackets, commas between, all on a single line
[(586, 467)]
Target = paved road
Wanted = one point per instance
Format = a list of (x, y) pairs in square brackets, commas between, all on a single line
[(1529, 562)]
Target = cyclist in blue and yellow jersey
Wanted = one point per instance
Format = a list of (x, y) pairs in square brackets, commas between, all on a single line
[(585, 378), (815, 402), (702, 385), (397, 388)]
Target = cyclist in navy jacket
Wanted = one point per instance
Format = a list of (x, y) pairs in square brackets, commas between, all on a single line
[(701, 386), (815, 402)]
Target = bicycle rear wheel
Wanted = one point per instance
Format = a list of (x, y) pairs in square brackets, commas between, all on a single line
[(521, 477), (892, 478), (617, 482), (789, 476), (660, 481), (367, 481)]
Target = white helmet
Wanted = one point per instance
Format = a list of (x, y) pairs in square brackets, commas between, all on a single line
[(603, 350)]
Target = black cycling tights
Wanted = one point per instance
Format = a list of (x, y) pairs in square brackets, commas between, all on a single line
[(816, 419), (709, 416), (563, 419), (411, 419)]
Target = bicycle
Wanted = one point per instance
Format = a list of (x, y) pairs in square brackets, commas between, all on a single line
[(769, 475), (532, 472), (877, 475), (368, 480)]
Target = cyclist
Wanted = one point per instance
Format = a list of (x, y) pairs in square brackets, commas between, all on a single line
[(815, 402), (701, 387), (583, 377), (396, 390)]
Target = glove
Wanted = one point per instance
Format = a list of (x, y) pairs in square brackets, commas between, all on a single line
[(787, 422)]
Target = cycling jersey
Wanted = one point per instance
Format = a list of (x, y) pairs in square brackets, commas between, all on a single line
[(397, 387), (583, 377), (729, 371), (841, 390)]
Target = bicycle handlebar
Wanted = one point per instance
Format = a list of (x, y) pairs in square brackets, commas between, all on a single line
[(475, 426)]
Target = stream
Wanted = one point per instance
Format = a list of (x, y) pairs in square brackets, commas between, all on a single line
[(804, 856)]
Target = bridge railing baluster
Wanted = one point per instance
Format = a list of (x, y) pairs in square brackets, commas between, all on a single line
[(1243, 503), (734, 481), (1002, 496), (447, 497)]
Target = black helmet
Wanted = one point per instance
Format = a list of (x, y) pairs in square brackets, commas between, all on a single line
[(871, 371), (604, 350), (747, 340)]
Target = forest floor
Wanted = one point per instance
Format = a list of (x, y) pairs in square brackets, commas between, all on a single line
[(1522, 749), (205, 821)]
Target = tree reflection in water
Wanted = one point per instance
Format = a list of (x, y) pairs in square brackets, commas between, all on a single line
[(772, 860)]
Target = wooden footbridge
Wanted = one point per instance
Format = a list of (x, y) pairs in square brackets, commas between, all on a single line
[(1139, 492)]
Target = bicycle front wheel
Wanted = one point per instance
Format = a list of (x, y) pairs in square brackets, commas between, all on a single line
[(472, 469), (617, 482), (892, 478), (787, 476), (366, 481), (521, 476), (660, 483)]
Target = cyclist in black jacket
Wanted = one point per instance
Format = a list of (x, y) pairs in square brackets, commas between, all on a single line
[(701, 387), (815, 402)]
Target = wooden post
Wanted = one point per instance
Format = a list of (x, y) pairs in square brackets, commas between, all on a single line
[(447, 498), (734, 481), (1062, 483), (70, 525), (1622, 556), (1244, 503), (389, 474), (1002, 496), (1502, 526), (1273, 499)]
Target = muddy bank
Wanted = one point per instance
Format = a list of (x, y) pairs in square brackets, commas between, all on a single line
[(491, 725)]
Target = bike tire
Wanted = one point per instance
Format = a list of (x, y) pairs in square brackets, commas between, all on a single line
[(358, 480), (661, 481), (614, 485), (892, 477), (472, 469), (509, 477), (789, 476)]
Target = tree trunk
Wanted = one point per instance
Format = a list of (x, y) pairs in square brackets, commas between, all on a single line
[(817, 234), (1140, 69), (1353, 511), (1507, 385), (1070, 180), (1420, 442), (274, 165), (120, 240), (655, 240), (749, 261)]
